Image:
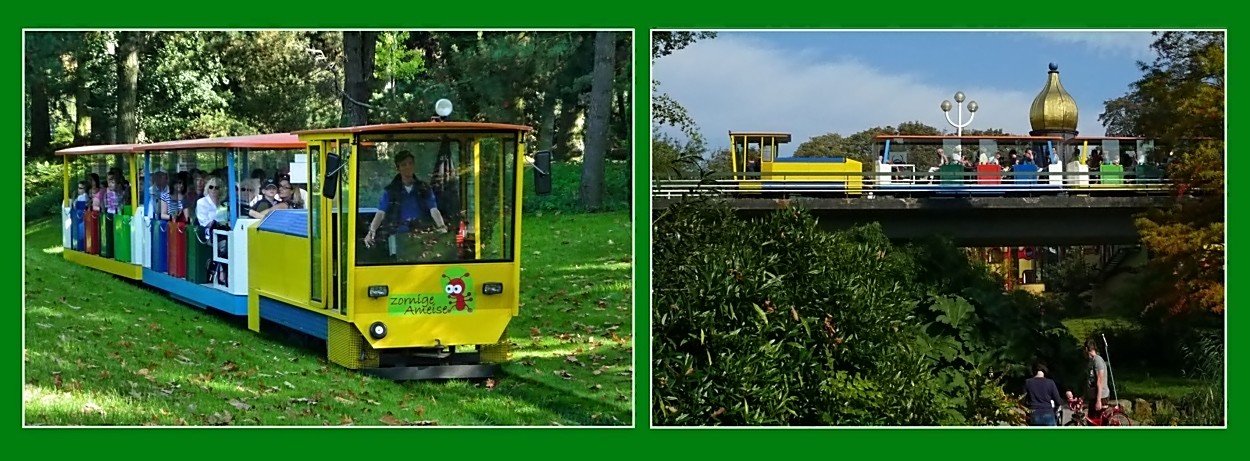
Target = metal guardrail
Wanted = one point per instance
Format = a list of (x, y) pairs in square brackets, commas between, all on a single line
[(913, 182)]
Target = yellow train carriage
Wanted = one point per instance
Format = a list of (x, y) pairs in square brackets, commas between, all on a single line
[(758, 165), (412, 237), (99, 209)]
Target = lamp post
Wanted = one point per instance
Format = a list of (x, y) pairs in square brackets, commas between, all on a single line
[(972, 112)]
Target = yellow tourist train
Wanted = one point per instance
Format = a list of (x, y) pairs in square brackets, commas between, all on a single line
[(398, 244)]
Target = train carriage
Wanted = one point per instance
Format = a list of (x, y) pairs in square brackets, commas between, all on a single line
[(208, 266), (399, 245), (95, 234)]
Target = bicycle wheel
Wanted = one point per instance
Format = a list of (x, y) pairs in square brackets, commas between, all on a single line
[(1119, 419)]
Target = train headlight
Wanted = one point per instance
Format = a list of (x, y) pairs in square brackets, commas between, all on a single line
[(377, 330), (378, 291), (442, 108)]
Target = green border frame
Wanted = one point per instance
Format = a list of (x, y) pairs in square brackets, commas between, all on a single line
[(641, 440)]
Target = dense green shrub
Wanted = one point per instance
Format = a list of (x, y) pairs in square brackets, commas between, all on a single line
[(1002, 333), (43, 189), (566, 181), (773, 321)]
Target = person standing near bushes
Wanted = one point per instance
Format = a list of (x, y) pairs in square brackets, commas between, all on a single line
[(1042, 397)]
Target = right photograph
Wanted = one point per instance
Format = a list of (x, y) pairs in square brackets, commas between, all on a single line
[(938, 228)]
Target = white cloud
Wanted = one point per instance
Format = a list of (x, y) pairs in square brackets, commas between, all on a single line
[(733, 83), (1131, 44)]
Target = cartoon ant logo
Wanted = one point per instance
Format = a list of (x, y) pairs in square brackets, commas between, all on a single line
[(457, 290)]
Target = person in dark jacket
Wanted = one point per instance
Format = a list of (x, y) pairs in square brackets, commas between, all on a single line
[(408, 205), (1042, 397)]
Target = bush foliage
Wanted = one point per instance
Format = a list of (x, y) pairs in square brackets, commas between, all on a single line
[(774, 321)]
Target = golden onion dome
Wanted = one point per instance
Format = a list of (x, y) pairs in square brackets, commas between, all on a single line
[(1053, 109)]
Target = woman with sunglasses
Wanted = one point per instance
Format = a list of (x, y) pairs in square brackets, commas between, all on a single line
[(210, 213)]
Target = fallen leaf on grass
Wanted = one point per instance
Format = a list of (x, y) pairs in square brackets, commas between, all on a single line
[(220, 419), (229, 366), (91, 407), (563, 374), (239, 405), (390, 420), (490, 383), (344, 401)]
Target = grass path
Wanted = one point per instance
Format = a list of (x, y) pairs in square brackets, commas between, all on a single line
[(102, 351)]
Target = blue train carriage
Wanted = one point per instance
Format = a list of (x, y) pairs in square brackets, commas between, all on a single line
[(201, 256), (967, 165), (98, 209), (406, 259), (757, 163)]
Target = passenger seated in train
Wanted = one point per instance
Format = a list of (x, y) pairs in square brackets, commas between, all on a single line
[(212, 213), (408, 206), (288, 195), (264, 201), (84, 189), (248, 190), (172, 208)]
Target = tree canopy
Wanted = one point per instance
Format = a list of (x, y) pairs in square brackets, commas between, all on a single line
[(1179, 101)]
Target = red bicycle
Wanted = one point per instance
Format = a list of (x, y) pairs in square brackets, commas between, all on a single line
[(1112, 415)]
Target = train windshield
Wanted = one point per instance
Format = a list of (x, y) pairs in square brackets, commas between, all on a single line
[(436, 198)]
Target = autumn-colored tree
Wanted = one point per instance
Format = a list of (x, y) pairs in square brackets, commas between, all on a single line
[(1179, 101)]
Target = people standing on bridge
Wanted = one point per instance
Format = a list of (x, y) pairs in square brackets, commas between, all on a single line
[(1042, 397), (1096, 391)]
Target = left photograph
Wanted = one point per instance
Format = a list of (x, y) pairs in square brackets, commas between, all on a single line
[(311, 228)]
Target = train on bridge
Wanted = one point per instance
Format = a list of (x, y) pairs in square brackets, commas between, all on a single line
[(940, 165)]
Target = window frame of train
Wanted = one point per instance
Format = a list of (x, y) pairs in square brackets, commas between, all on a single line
[(886, 149), (99, 159), (767, 147), (406, 308), (237, 155)]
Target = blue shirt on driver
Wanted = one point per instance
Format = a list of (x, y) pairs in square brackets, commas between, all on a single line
[(412, 205)]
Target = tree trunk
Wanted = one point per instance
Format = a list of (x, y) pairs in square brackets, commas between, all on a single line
[(40, 116), (547, 122), (82, 93), (358, 50), (566, 121), (128, 45), (597, 123)]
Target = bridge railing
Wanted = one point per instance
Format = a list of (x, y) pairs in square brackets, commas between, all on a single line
[(885, 182)]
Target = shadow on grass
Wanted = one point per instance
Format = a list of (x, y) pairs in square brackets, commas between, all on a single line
[(102, 350)]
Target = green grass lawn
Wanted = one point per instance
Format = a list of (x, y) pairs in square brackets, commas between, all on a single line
[(102, 351)]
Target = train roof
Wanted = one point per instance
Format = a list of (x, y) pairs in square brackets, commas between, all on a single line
[(943, 137), (98, 149), (274, 141), (420, 126), (756, 136)]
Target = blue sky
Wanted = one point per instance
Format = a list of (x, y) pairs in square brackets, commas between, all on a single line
[(811, 83)]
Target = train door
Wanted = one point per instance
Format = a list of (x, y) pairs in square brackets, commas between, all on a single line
[(330, 216)]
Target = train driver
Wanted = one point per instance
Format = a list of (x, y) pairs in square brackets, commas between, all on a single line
[(407, 205)]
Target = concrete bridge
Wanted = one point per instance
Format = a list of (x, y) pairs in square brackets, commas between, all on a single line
[(1059, 220)]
